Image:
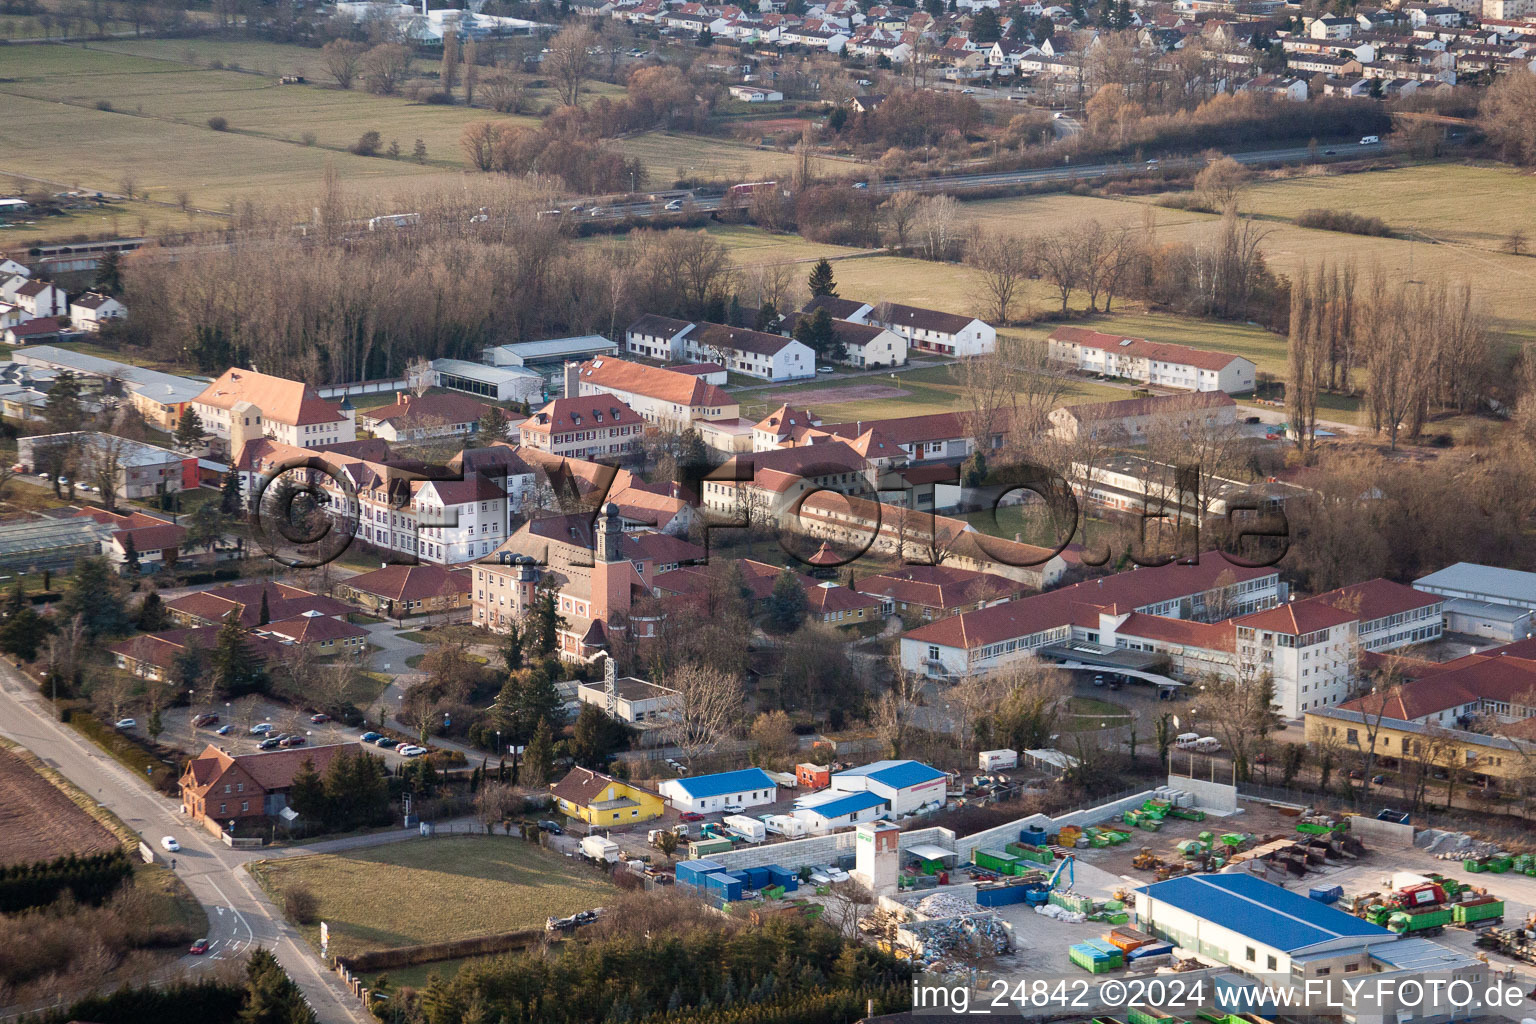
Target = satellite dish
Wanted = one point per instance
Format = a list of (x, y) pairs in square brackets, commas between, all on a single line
[(1176, 721)]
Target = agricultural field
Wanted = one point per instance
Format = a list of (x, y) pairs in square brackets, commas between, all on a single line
[(432, 890), (1458, 240), (40, 821)]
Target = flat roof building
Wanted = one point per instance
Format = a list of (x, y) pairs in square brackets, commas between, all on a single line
[(1482, 583)]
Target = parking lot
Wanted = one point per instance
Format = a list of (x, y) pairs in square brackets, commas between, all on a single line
[(240, 715)]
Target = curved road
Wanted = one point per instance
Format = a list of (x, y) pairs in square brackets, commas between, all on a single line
[(239, 914)]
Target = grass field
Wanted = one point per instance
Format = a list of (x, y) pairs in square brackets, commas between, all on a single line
[(927, 390), (39, 821), (1455, 237), (431, 890), (95, 116)]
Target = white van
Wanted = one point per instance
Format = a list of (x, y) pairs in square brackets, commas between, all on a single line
[(1207, 745), (1187, 740), (1369, 140)]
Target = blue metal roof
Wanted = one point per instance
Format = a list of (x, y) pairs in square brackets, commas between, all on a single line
[(1261, 910), (849, 804), (726, 783), (897, 774)]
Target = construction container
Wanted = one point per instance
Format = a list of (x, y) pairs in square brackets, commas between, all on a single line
[(758, 878), (813, 776), (1187, 813), (1000, 895), (1136, 1015), (1427, 921), (1326, 893), (1072, 901), (1000, 861), (1033, 836), (1095, 961), (1150, 949), (722, 886), (693, 872), (700, 848), (1484, 908), (783, 877), (1127, 939), (1033, 854)]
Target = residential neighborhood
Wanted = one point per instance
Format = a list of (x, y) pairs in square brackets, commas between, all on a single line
[(686, 513)]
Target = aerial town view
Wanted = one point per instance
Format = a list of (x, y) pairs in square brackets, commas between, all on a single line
[(807, 512)]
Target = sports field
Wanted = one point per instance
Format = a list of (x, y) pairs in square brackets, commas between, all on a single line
[(432, 890)]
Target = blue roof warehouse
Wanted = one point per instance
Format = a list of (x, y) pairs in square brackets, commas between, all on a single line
[(1282, 938), (749, 787)]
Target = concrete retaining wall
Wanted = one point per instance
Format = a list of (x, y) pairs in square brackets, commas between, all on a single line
[(1210, 796), (1375, 833)]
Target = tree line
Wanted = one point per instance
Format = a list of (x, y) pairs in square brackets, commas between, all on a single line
[(89, 879)]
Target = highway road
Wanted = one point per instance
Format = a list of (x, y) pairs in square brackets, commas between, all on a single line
[(994, 179), (239, 914)]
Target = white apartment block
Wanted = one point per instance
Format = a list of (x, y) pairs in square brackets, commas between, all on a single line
[(1174, 366)]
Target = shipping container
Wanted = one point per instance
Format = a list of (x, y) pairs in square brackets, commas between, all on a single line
[(992, 760), (1033, 836), (722, 886), (692, 872), (758, 878), (1000, 895)]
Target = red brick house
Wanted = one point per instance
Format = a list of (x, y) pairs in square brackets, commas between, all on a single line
[(217, 787)]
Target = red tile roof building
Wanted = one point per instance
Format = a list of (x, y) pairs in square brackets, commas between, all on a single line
[(243, 404), (217, 788), (1152, 362), (401, 590), (589, 427)]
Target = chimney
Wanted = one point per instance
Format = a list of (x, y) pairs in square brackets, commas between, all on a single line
[(572, 379), (405, 399)]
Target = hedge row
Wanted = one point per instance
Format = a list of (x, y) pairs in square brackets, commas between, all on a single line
[(89, 879), (203, 1002), (453, 949)]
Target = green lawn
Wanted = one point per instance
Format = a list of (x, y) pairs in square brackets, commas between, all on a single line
[(432, 890), (1088, 714)]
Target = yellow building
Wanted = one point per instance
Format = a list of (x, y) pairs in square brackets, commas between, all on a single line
[(599, 799), (1495, 761)]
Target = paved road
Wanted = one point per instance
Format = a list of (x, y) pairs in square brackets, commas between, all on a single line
[(239, 914)]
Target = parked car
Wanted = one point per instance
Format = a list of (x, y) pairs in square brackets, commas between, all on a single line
[(262, 729), (205, 719), (292, 741), (124, 723), (368, 737), (386, 742), (270, 743), (551, 827), (1378, 780), (169, 844), (224, 730), (198, 948), (412, 750), (319, 719), (825, 369), (690, 816), (1098, 680), (861, 184), (733, 809)]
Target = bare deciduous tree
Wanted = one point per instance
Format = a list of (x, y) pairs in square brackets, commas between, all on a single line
[(569, 60), (341, 58), (710, 702), (1003, 262)]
